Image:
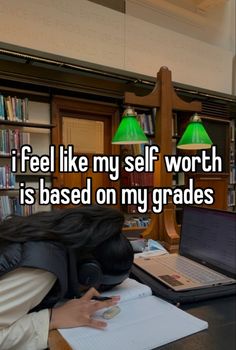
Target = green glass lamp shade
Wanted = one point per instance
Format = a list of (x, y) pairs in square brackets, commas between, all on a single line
[(195, 136), (129, 130)]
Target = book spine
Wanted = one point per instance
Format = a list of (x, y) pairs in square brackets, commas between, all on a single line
[(2, 108)]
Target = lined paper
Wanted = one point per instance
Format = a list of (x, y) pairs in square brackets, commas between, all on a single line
[(144, 323)]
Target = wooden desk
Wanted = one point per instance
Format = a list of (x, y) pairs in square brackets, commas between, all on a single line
[(221, 317), (220, 313), (57, 342)]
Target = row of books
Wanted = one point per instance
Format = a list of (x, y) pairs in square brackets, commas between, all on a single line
[(133, 209), (232, 131), (14, 109), (232, 175), (232, 153), (9, 205), (147, 122), (137, 221), (7, 178), (136, 179), (10, 139), (178, 179), (231, 197)]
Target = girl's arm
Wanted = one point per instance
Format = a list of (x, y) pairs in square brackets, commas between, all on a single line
[(30, 332), (20, 291)]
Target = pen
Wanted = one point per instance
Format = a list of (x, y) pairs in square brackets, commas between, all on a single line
[(101, 298)]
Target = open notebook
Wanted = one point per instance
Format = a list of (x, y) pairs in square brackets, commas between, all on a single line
[(145, 322)]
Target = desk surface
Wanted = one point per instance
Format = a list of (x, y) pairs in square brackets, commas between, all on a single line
[(57, 342), (220, 314)]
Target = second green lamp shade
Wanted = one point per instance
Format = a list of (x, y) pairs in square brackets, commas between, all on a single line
[(195, 135), (129, 130)]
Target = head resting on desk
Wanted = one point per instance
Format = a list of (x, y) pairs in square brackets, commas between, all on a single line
[(107, 265), (93, 233)]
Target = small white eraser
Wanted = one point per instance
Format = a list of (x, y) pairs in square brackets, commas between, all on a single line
[(111, 312)]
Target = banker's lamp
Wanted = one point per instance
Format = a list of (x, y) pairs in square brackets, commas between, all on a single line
[(195, 136), (129, 130)]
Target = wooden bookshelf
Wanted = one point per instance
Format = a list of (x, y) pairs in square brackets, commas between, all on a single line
[(26, 124), (71, 93), (14, 134)]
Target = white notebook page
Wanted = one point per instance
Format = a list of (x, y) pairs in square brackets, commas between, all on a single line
[(142, 324), (129, 289)]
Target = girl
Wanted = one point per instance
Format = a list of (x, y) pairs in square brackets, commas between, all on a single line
[(49, 256)]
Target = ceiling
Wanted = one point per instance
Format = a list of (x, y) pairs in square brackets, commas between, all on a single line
[(189, 5)]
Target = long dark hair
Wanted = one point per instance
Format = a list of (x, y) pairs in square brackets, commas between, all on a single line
[(115, 254), (84, 227)]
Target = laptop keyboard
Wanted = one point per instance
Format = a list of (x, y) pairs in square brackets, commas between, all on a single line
[(202, 275)]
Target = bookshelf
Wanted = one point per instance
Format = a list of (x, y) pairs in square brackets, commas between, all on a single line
[(29, 81), (22, 121), (218, 128)]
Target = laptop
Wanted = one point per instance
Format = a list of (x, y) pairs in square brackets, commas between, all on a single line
[(207, 252)]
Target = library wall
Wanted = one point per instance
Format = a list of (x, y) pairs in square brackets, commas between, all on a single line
[(89, 32), (214, 25)]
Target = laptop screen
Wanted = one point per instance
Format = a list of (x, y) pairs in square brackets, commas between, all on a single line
[(209, 236)]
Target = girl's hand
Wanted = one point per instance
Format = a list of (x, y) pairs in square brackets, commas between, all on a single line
[(78, 312)]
